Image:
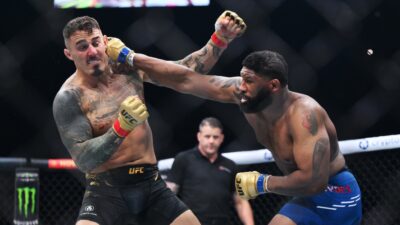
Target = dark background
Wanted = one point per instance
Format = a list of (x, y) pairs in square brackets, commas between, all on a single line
[(324, 42)]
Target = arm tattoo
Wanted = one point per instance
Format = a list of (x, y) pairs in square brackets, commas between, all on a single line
[(76, 132), (199, 66), (137, 83), (217, 52), (202, 60), (310, 123), (92, 153), (226, 83), (194, 61), (223, 83), (186, 61), (320, 149)]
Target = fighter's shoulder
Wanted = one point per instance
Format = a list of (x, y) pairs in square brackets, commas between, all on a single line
[(67, 94), (304, 104)]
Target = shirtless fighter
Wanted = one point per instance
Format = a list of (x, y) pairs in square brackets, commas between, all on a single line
[(297, 130), (102, 120)]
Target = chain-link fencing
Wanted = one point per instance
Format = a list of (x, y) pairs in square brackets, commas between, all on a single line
[(378, 174)]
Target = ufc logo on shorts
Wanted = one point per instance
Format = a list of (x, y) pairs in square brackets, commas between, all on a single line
[(136, 170)]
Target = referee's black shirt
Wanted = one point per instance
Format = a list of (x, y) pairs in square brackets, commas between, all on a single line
[(206, 188)]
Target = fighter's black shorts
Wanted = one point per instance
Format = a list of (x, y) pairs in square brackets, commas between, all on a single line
[(137, 191)]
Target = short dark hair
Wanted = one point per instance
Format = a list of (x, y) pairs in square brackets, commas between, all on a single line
[(268, 63), (83, 23), (212, 122)]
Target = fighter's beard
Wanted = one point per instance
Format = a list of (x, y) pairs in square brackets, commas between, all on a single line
[(97, 71), (262, 100)]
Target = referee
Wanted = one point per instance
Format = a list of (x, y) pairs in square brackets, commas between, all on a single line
[(204, 179)]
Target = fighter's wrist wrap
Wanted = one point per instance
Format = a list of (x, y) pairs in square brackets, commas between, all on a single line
[(126, 56), (130, 57), (118, 129), (262, 184), (123, 54), (217, 41)]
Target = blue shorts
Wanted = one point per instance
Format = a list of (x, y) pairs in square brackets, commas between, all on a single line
[(340, 203)]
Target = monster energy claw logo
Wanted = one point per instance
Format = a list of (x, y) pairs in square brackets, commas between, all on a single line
[(26, 200)]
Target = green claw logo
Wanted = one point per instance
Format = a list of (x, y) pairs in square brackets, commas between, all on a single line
[(26, 197)]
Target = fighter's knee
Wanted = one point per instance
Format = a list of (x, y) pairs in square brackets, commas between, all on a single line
[(86, 222), (186, 218), (279, 219)]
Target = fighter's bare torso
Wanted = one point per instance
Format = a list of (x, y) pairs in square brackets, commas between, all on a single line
[(276, 135), (100, 102)]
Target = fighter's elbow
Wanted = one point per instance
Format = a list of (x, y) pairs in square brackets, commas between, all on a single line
[(85, 164), (318, 189), (84, 167), (186, 86), (317, 186)]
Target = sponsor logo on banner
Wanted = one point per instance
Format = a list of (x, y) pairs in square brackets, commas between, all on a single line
[(379, 143), (26, 201), (363, 144), (268, 156)]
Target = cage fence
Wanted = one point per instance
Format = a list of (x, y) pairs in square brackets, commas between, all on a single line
[(61, 191)]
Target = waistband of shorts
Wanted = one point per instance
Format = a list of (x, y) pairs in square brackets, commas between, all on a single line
[(126, 175), (342, 176)]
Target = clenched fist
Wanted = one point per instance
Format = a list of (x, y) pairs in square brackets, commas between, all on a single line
[(250, 184), (229, 26), (118, 52), (131, 113)]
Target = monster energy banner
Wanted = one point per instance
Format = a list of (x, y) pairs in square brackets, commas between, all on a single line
[(26, 205)]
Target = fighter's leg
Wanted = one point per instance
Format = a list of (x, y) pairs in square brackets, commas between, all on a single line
[(86, 222), (101, 205), (186, 218), (166, 208), (279, 219)]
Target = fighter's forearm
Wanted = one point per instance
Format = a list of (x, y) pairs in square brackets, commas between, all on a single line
[(92, 153), (310, 180), (296, 184), (162, 72), (204, 59)]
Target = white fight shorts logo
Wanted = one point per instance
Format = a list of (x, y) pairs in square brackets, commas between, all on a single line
[(89, 208)]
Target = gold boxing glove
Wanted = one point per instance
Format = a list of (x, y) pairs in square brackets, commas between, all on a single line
[(118, 52), (251, 184), (227, 27), (131, 113)]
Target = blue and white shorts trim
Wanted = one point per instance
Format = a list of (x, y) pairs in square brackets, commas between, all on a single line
[(340, 203)]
